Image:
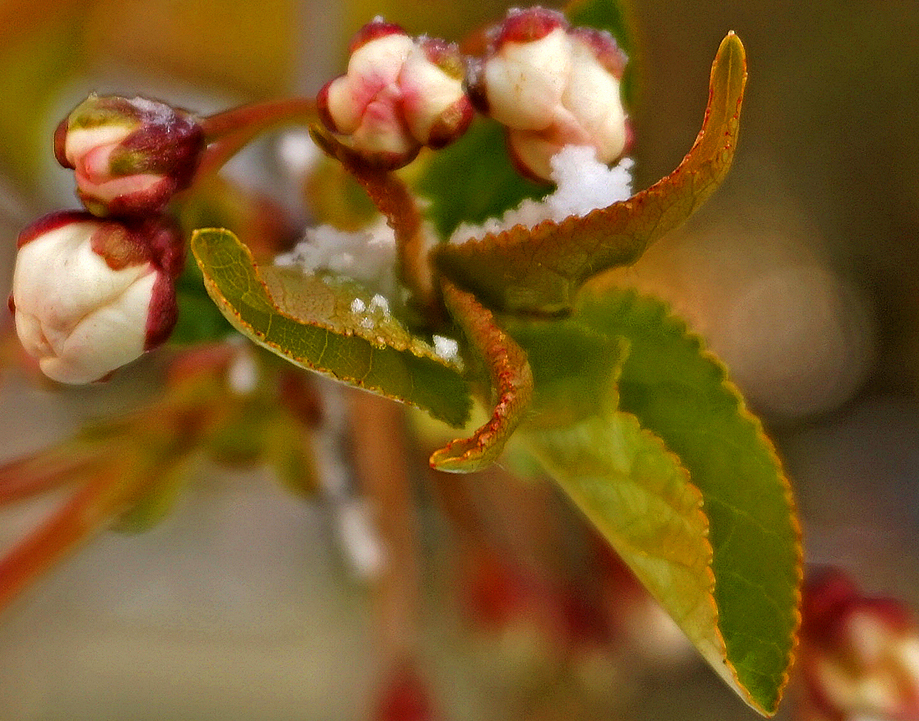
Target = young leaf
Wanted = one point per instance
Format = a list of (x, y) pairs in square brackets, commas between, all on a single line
[(539, 270), (680, 392), (340, 330), (511, 384)]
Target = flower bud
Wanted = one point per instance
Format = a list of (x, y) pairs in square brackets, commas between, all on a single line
[(130, 156), (552, 86), (398, 95), (859, 655), (91, 295)]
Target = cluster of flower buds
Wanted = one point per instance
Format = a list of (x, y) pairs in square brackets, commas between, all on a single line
[(94, 290), (859, 655), (552, 85), (91, 295), (399, 94)]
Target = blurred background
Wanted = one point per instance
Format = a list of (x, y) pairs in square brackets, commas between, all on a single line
[(802, 272)]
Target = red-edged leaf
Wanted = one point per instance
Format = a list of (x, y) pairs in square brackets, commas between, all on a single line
[(539, 269)]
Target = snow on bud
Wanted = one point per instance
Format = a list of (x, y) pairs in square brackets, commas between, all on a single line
[(859, 655), (91, 295), (130, 156), (552, 86), (398, 95)]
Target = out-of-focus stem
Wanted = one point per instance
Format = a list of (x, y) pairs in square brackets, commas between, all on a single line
[(230, 131), (34, 475), (258, 117), (381, 464), (83, 515)]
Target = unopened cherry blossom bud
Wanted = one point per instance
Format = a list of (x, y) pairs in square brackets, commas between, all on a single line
[(91, 295), (859, 655), (552, 86), (130, 155), (398, 95)]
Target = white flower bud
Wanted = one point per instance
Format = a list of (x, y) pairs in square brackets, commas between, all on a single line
[(90, 296), (130, 156), (859, 655), (552, 86), (398, 95)]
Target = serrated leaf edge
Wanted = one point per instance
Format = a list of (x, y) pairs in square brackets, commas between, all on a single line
[(632, 296)]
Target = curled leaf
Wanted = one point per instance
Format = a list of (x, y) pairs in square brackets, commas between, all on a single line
[(338, 329), (539, 269), (511, 384)]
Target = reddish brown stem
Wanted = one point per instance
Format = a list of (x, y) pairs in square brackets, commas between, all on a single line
[(73, 523), (230, 131), (257, 117), (393, 199), (37, 474), (380, 460)]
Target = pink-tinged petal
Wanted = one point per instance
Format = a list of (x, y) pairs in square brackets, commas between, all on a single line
[(398, 94), (378, 63)]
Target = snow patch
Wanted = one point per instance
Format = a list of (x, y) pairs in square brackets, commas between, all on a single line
[(583, 184), (367, 255)]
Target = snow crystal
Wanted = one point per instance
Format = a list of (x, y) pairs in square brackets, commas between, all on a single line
[(584, 184), (367, 255), (446, 348)]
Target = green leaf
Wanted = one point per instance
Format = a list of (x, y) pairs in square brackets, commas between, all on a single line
[(681, 393), (473, 179), (328, 326), (539, 269), (574, 370), (641, 500)]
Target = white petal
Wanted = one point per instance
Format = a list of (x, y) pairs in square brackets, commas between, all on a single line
[(106, 339), (593, 97), (59, 278), (525, 81), (137, 184)]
